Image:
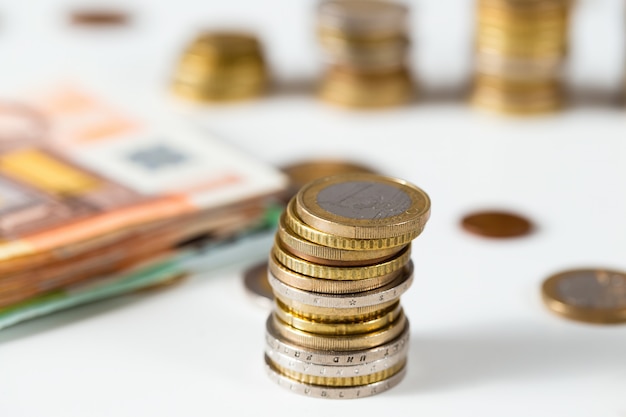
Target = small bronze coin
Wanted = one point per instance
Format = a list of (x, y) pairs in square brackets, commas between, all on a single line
[(257, 285), (99, 17), (496, 224), (588, 295)]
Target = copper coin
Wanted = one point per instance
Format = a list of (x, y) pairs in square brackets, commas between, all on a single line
[(496, 224), (99, 17), (257, 285)]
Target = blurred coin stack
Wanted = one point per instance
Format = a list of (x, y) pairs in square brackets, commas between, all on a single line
[(340, 263), (521, 48), (364, 45), (221, 66)]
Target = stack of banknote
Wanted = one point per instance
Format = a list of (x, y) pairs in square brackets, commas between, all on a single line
[(93, 197)]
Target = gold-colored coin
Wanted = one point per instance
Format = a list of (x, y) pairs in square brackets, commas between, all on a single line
[(328, 239), (339, 343), (325, 255), (221, 66), (229, 93), (518, 87), (327, 314), (339, 273), (292, 318), (331, 286), (516, 24), (363, 85), (503, 105), (364, 206), (334, 381), (588, 295), (221, 44)]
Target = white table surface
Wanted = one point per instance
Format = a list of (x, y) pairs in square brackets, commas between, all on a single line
[(482, 343)]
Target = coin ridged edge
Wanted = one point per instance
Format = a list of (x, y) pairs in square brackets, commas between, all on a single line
[(349, 273), (337, 328), (294, 241), (328, 239), (323, 357), (335, 392), (341, 343), (390, 292), (331, 286)]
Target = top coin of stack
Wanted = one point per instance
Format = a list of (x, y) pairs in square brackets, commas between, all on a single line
[(521, 47), (364, 45), (339, 265), (221, 66)]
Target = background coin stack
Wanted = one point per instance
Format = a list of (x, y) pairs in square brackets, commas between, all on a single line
[(364, 45), (340, 263), (521, 48), (221, 66)]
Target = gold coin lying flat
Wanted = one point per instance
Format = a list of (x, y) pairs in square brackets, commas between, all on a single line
[(588, 295), (364, 206)]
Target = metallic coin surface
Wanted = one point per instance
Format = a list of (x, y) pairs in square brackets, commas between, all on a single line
[(257, 286), (341, 273), (588, 295), (307, 283), (496, 224), (340, 381), (354, 368), (364, 206), (333, 328), (389, 292), (309, 390), (339, 343), (394, 347)]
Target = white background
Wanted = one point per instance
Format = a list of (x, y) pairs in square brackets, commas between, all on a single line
[(482, 343)]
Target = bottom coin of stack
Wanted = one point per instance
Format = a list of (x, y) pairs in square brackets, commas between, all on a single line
[(338, 329)]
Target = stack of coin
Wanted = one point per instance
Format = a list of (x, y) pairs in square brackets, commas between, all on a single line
[(221, 66), (339, 265), (364, 44), (521, 48)]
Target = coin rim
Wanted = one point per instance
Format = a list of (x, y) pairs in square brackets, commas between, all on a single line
[(551, 299), (406, 223)]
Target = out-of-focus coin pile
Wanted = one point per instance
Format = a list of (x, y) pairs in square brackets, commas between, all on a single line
[(340, 263), (521, 47), (364, 46), (221, 66)]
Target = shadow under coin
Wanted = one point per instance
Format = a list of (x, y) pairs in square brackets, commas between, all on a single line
[(508, 352)]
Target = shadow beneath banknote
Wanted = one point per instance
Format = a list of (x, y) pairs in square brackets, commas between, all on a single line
[(67, 317), (514, 352)]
